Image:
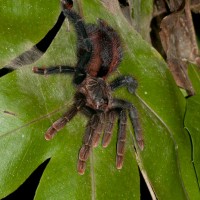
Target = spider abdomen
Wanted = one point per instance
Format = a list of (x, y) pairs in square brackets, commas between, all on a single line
[(106, 49)]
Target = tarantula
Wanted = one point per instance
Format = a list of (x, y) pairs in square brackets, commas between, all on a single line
[(99, 53)]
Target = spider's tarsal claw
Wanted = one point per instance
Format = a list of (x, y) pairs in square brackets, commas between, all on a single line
[(131, 84), (137, 127), (141, 144), (47, 137), (106, 140), (41, 71), (119, 162), (95, 141), (139, 137), (67, 4), (35, 69), (131, 90), (50, 133), (127, 81), (81, 167)]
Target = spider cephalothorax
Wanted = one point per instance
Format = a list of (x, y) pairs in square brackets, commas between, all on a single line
[(97, 93), (99, 53)]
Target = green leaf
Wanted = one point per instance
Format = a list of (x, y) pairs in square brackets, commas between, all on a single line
[(30, 103), (192, 118)]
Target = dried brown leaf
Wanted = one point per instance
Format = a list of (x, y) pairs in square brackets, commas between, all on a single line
[(179, 43)]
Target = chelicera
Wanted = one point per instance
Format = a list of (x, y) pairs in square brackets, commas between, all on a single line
[(99, 53)]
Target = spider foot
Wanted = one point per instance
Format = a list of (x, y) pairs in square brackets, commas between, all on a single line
[(141, 144), (119, 161), (96, 139), (37, 70), (67, 4), (127, 81), (106, 140), (139, 139), (83, 156), (81, 167), (50, 133), (131, 84), (56, 126), (137, 127)]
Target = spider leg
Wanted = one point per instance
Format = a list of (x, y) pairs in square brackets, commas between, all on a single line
[(34, 53), (84, 43), (54, 70), (60, 123), (121, 138), (127, 81), (91, 138), (98, 129), (80, 27), (133, 114), (111, 116)]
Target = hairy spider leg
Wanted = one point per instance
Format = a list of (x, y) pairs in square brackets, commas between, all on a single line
[(34, 53), (54, 70), (84, 45), (121, 138), (91, 138), (127, 81), (67, 4), (98, 129), (133, 115), (60, 123), (111, 116)]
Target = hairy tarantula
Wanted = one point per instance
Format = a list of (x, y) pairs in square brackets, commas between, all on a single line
[(99, 53)]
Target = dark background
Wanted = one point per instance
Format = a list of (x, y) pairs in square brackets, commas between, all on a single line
[(28, 188)]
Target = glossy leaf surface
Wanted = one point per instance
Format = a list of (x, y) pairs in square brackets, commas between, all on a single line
[(192, 118), (30, 103)]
